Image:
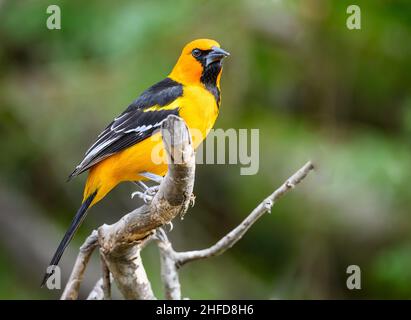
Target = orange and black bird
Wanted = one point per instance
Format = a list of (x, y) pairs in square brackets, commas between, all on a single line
[(123, 150)]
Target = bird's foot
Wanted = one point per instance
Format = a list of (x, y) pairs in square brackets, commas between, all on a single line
[(147, 193)]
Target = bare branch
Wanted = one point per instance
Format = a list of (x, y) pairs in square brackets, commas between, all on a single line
[(106, 278), (169, 274), (98, 292), (121, 242), (73, 284), (129, 274), (236, 234)]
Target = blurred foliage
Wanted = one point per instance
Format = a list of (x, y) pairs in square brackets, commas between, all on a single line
[(315, 89)]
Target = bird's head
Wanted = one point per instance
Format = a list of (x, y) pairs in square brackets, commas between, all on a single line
[(200, 62)]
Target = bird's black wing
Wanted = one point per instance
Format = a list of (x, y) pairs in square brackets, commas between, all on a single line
[(136, 123)]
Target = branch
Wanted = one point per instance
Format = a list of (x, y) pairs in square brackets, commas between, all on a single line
[(73, 284), (172, 260), (106, 284), (236, 234), (121, 242), (97, 293), (169, 274)]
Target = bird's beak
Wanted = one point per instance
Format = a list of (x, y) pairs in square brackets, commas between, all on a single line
[(216, 54)]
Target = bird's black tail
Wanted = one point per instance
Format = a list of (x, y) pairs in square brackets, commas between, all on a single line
[(77, 220)]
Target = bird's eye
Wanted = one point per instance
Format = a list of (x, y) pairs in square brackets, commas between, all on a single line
[(196, 53)]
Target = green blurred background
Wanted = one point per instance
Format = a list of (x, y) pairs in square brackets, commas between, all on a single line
[(315, 89)]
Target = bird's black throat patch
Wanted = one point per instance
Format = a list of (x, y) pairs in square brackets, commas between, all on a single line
[(209, 79), (210, 74)]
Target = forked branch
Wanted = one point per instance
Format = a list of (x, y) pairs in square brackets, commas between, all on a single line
[(121, 243), (172, 260)]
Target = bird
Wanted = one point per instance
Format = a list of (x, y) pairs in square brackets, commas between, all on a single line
[(123, 150)]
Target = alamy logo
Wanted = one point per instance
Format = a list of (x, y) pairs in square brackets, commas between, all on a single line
[(54, 281), (54, 20), (354, 280), (354, 19), (229, 146)]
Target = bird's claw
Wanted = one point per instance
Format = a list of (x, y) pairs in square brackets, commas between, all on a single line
[(142, 195), (147, 195), (170, 224)]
